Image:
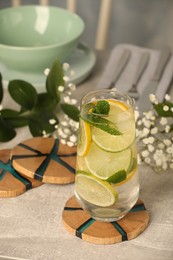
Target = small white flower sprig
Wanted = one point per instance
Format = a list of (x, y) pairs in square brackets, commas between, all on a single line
[(67, 128), (155, 134)]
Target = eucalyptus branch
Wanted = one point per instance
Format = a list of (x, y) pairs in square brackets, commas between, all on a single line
[(37, 110)]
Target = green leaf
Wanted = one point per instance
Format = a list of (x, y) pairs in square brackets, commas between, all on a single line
[(9, 113), (44, 101), (54, 80), (1, 88), (14, 118), (102, 107), (160, 109), (6, 131), (117, 177), (23, 93), (39, 123), (71, 111), (102, 124)]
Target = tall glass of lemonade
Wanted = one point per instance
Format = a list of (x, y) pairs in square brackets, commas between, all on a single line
[(106, 181)]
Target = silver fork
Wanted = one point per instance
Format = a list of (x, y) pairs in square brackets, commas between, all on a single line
[(133, 91), (125, 56)]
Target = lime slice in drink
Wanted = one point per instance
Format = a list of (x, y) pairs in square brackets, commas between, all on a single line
[(84, 138), (94, 190), (124, 122), (105, 164)]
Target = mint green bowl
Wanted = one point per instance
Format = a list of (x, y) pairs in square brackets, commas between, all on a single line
[(32, 37)]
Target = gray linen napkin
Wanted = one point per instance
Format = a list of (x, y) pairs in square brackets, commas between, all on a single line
[(125, 80)]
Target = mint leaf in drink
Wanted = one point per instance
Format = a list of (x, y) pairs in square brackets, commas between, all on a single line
[(101, 123), (118, 177), (102, 107)]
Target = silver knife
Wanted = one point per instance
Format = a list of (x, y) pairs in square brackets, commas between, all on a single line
[(123, 60), (144, 103)]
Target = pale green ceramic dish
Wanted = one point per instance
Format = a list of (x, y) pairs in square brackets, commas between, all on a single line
[(32, 37)]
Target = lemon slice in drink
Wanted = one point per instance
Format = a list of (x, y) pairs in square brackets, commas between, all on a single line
[(104, 164), (94, 190), (124, 122), (84, 138)]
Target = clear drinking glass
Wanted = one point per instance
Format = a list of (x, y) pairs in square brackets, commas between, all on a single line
[(106, 181)]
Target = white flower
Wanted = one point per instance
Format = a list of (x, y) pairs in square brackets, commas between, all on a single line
[(161, 146), (73, 101), (70, 144), (64, 123), (1, 107), (145, 132), (146, 122), (165, 108), (145, 153), (46, 72), (163, 121), (139, 122), (69, 93), (153, 99), (145, 141), (63, 141), (65, 66), (159, 157), (169, 150), (149, 115), (61, 88), (151, 140), (167, 142), (154, 130), (67, 99), (158, 162), (150, 148), (72, 122), (45, 134), (52, 121), (147, 160), (73, 138), (167, 97), (171, 109), (67, 131), (66, 79), (167, 128)]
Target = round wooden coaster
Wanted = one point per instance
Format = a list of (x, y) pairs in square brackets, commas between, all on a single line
[(80, 224), (12, 183), (45, 159)]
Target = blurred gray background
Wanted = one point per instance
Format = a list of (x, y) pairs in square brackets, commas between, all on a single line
[(145, 23)]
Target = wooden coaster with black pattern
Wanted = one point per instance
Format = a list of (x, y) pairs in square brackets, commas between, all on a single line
[(82, 225), (12, 183), (45, 159)]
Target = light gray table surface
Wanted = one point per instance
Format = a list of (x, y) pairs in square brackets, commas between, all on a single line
[(31, 224)]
